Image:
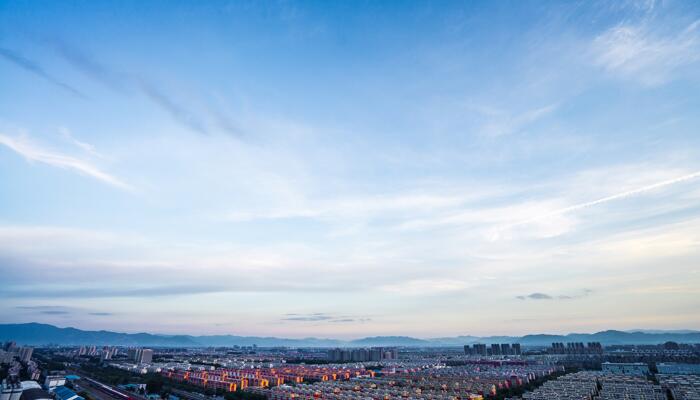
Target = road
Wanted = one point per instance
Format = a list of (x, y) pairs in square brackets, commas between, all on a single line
[(91, 388), (94, 393)]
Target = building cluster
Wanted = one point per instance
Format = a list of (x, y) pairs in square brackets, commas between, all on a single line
[(477, 371), (576, 348), (502, 349), (681, 387), (140, 369), (473, 381), (362, 354), (668, 352), (590, 385), (33, 370), (10, 351), (230, 380), (105, 353), (569, 387), (87, 351), (31, 390), (108, 353), (11, 388), (53, 389), (361, 389)]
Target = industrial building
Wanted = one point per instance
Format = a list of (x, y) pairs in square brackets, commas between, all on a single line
[(63, 393), (53, 381), (678, 368), (626, 368)]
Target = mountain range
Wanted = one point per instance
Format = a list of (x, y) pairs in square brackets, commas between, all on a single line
[(42, 334)]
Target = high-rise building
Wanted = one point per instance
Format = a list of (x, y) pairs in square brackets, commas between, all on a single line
[(10, 346), (25, 354), (6, 357), (362, 354), (495, 350), (141, 356), (576, 348), (516, 349), (146, 356), (480, 349), (106, 353), (505, 349)]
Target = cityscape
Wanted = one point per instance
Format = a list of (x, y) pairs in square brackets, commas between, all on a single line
[(572, 370), (350, 200)]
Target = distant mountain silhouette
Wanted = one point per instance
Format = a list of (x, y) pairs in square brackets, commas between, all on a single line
[(42, 334)]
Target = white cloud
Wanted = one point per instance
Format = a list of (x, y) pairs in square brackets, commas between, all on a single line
[(358, 207), (640, 53), (552, 210), (86, 147), (501, 123), (32, 152), (617, 196), (420, 287)]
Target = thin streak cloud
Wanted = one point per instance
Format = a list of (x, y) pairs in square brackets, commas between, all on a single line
[(33, 67), (177, 112), (34, 153), (86, 147), (119, 81), (618, 196)]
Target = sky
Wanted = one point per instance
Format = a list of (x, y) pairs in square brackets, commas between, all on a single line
[(350, 169)]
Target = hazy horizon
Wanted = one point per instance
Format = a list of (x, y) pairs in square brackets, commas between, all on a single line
[(350, 169), (341, 338)]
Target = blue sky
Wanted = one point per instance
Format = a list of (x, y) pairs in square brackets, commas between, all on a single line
[(343, 169)]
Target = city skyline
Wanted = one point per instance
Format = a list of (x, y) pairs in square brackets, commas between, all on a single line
[(298, 169)]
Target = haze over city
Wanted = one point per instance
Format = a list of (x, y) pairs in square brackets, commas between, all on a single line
[(350, 169)]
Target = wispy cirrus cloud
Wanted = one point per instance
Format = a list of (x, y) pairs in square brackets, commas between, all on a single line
[(86, 147), (324, 317), (123, 82), (307, 317), (551, 217), (75, 292), (34, 152), (35, 68), (617, 196), (60, 310), (46, 310), (650, 56), (177, 111), (501, 123)]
